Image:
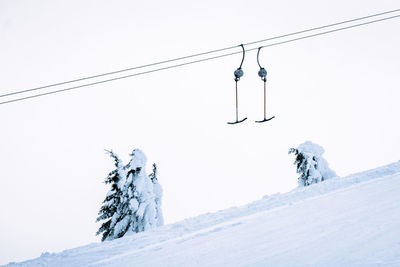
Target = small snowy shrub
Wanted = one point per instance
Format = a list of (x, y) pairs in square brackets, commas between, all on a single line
[(311, 166), (134, 201), (158, 192)]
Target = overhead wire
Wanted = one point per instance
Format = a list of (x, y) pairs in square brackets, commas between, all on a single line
[(197, 61), (196, 55), (331, 31), (325, 26)]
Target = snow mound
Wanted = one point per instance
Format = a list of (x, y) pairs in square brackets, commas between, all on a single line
[(311, 148), (138, 160)]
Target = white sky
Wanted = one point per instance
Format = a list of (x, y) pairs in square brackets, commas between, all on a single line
[(339, 90)]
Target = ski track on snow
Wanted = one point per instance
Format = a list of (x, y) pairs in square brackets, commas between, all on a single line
[(231, 223), (99, 254)]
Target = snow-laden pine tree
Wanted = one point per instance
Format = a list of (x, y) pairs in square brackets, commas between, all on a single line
[(311, 166), (158, 192), (112, 200), (136, 209)]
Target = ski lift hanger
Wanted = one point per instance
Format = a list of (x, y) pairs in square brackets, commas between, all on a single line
[(262, 73), (238, 73)]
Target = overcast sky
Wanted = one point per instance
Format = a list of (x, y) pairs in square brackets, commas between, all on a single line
[(339, 90)]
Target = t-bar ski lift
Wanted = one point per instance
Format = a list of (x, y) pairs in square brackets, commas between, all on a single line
[(238, 73), (263, 75)]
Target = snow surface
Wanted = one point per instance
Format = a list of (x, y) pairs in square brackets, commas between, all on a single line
[(351, 221)]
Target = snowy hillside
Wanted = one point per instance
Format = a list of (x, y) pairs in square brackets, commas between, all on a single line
[(350, 221)]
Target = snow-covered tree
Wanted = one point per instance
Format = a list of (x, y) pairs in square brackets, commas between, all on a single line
[(112, 200), (311, 166), (137, 207), (154, 173), (158, 192)]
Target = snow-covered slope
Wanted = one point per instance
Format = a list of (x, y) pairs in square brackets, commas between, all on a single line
[(351, 221)]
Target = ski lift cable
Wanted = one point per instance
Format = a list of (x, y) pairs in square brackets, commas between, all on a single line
[(326, 32), (195, 55), (119, 78), (325, 26), (197, 61)]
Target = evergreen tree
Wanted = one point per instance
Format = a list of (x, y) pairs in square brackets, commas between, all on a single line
[(311, 166), (134, 201), (112, 200), (153, 174), (137, 209), (158, 192)]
